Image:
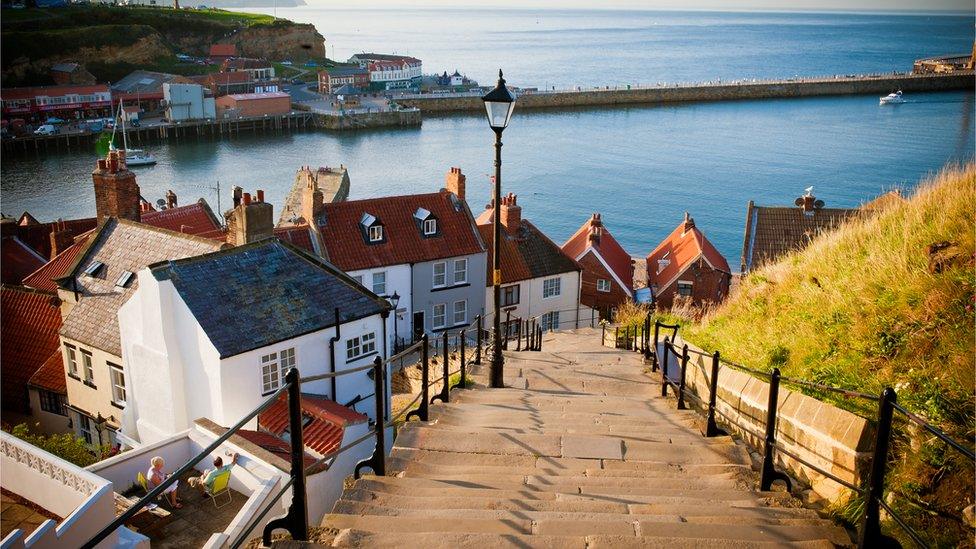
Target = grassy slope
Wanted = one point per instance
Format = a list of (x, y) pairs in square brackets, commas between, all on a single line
[(859, 308)]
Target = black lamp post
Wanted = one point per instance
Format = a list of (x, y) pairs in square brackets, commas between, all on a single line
[(499, 104), (395, 300)]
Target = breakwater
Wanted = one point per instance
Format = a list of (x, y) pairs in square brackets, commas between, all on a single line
[(739, 90)]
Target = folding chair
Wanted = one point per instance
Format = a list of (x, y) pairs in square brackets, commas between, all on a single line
[(220, 488)]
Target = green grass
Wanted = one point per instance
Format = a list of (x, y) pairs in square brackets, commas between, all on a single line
[(861, 308), (93, 15)]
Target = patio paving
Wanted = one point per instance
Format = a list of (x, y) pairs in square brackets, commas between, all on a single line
[(17, 512), (193, 525)]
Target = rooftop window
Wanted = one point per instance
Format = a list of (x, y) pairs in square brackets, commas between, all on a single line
[(94, 268), (124, 279)]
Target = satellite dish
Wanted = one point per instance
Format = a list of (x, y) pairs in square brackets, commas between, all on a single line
[(798, 201), (161, 203), (809, 189), (818, 204)]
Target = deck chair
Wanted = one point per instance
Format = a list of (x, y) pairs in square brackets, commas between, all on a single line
[(220, 488)]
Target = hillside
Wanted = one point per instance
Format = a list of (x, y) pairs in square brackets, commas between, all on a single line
[(886, 300), (111, 41)]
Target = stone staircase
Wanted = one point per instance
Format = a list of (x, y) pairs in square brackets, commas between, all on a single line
[(579, 450)]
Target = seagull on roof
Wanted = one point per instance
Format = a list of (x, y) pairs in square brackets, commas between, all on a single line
[(809, 190)]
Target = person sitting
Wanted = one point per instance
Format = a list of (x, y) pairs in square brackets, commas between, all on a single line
[(155, 476), (206, 480)]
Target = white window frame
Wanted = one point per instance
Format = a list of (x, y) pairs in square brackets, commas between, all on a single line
[(87, 362), (430, 226), (72, 356), (443, 315), (286, 360), (603, 285), (550, 321), (518, 295), (463, 271), (358, 279), (463, 311), (360, 346), (85, 428), (376, 233), (686, 284), (117, 376), (552, 287), (271, 377), (443, 275), (382, 290)]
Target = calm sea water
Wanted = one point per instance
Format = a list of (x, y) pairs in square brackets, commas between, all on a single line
[(641, 167)]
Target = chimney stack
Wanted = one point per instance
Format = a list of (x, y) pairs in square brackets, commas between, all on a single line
[(596, 229), (60, 238), (250, 220), (116, 190), (170, 199), (511, 214), (689, 224), (455, 182)]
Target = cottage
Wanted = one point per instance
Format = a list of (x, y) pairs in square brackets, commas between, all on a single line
[(608, 270), (538, 278), (210, 336), (686, 267), (258, 69)]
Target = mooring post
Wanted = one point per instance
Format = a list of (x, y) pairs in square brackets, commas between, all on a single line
[(769, 472), (870, 532)]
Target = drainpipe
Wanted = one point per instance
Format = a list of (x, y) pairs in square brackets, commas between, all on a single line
[(385, 315), (332, 341)]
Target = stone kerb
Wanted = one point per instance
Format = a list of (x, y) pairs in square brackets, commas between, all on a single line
[(830, 438)]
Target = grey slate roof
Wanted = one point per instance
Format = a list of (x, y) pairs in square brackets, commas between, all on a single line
[(120, 245), (255, 295)]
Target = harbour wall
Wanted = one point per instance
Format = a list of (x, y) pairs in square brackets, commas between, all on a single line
[(365, 120), (770, 89)]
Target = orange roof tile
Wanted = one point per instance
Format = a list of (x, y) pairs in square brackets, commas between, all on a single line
[(17, 260), (325, 421), (43, 278), (680, 249), (196, 219), (299, 236), (29, 333), (50, 376)]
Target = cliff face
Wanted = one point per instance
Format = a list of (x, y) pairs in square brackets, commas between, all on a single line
[(292, 41)]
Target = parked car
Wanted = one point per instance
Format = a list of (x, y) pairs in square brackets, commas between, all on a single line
[(298, 81), (96, 125), (46, 129), (288, 63), (54, 120)]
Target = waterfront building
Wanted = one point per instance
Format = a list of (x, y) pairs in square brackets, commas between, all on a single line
[(253, 104), (144, 88), (66, 102), (538, 279), (258, 69), (333, 78), (67, 74), (221, 52), (223, 83), (187, 102), (686, 268), (608, 270), (390, 72), (253, 312)]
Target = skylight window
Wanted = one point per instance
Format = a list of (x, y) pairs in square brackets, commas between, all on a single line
[(124, 279), (421, 214), (367, 220), (94, 268)]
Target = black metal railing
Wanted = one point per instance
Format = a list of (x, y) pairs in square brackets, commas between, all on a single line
[(872, 490)]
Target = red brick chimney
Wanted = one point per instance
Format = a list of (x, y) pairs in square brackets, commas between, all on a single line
[(170, 199), (455, 182), (689, 224), (511, 214), (250, 220), (596, 230), (60, 238), (116, 190)]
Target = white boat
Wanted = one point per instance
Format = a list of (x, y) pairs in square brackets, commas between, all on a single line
[(133, 157), (892, 99)]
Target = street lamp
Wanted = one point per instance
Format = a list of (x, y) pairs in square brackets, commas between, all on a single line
[(499, 104), (395, 300)]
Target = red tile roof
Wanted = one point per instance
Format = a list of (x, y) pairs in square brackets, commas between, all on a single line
[(196, 219), (299, 236), (325, 421), (346, 240), (606, 247), (51, 91), (529, 254), (43, 278), (17, 260), (50, 376), (273, 444), (680, 249), (223, 50), (38, 236), (29, 332)]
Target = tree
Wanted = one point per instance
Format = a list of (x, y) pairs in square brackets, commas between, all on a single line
[(64, 445)]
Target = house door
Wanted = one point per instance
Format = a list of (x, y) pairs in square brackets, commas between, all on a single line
[(418, 325)]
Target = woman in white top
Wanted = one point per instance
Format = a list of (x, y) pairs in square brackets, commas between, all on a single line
[(156, 476)]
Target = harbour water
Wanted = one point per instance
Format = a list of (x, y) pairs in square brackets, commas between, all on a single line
[(642, 167)]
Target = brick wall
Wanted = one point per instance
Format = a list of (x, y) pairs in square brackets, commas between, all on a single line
[(593, 270), (116, 190), (708, 285)]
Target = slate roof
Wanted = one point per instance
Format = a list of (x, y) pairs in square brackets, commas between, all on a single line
[(197, 219), (772, 231), (529, 254), (38, 235), (326, 421), (404, 242), (258, 294), (29, 333), (121, 245), (345, 70), (147, 82), (681, 248), (17, 260), (44, 277), (606, 247), (50, 376)]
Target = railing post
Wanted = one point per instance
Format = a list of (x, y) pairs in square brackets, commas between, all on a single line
[(647, 337), (769, 472), (870, 531), (654, 357), (377, 462), (461, 382), (711, 429), (518, 335), (422, 411), (538, 343), (296, 520), (477, 356), (445, 394), (681, 384), (508, 321), (664, 368), (592, 316), (603, 335), (616, 337)]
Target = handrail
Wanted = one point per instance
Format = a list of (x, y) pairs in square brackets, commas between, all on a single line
[(329, 375), (404, 352), (821, 386), (904, 526), (746, 369), (938, 434)]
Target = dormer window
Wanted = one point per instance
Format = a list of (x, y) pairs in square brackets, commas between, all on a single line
[(372, 228), (430, 227), (376, 233), (427, 222), (124, 279)]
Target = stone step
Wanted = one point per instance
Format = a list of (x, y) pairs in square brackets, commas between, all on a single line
[(452, 458), (623, 542), (563, 483), (617, 417), (421, 468), (646, 434), (637, 528)]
